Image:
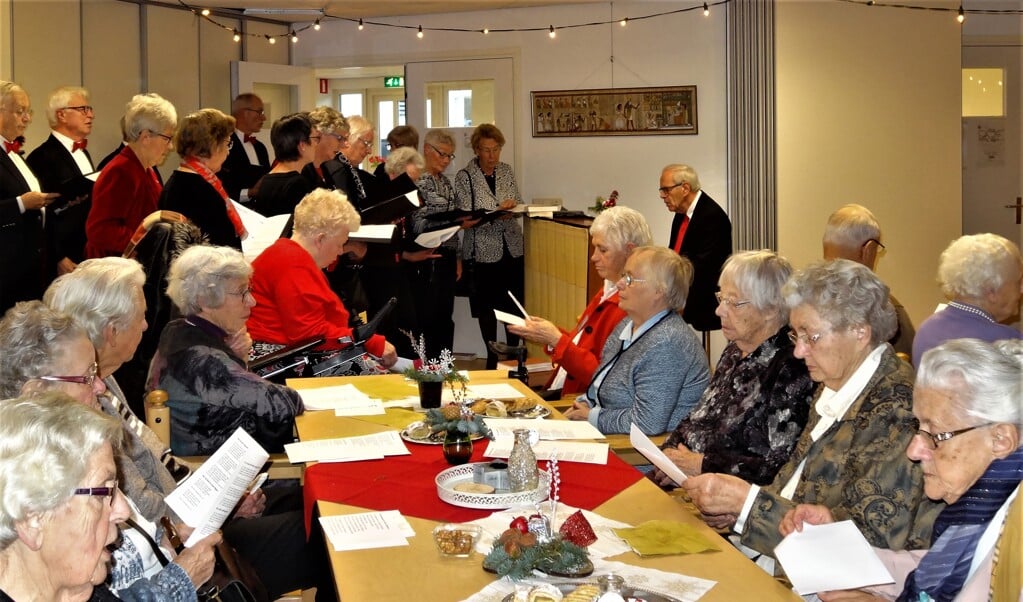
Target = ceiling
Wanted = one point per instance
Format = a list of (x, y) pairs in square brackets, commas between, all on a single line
[(365, 9)]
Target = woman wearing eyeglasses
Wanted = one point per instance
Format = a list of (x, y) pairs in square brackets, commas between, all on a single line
[(752, 413), (294, 141), (652, 369), (127, 191), (203, 141), (849, 457), (332, 127), (967, 405)]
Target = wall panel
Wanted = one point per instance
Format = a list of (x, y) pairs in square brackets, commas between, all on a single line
[(258, 50), (112, 67), (216, 51)]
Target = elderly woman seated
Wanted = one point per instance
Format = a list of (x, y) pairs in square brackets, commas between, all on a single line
[(293, 300), (652, 370), (982, 276), (752, 413), (967, 404), (201, 363), (61, 507), (849, 457), (615, 233)]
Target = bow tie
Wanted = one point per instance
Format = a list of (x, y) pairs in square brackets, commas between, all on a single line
[(13, 146), (79, 144), (248, 139)]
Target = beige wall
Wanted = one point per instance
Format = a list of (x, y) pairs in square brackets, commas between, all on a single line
[(871, 119)]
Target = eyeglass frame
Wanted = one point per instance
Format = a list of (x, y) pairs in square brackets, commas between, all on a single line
[(811, 340), (364, 143), (729, 302), (257, 111), (441, 154), (87, 379), (83, 109), (628, 279), (20, 112), (665, 190), (312, 137), (167, 139), (107, 492), (875, 241), (936, 438), (242, 293)]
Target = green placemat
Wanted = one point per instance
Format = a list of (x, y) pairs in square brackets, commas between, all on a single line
[(662, 537)]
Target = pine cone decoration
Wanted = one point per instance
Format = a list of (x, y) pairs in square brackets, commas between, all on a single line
[(451, 412)]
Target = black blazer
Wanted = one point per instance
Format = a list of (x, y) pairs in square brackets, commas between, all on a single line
[(65, 226), (707, 243), (237, 173), (21, 238)]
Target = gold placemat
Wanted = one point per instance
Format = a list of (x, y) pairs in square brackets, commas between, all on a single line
[(662, 537)]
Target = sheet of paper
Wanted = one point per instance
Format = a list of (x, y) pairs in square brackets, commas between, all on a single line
[(565, 451), (494, 391), (367, 530), (205, 499), (340, 397), (436, 238), (645, 446), (263, 231), (830, 557), (548, 429), (413, 196), (373, 233), (508, 318), (347, 449), (518, 305)]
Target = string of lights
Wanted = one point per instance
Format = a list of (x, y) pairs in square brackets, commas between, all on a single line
[(960, 14)]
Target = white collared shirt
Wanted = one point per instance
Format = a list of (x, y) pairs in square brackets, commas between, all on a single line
[(250, 149), (30, 178), (81, 159), (692, 206)]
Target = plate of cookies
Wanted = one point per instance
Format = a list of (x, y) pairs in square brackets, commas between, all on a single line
[(420, 432), (510, 408), (582, 592)]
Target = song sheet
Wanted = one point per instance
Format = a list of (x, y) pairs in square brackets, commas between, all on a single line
[(347, 449), (645, 446), (367, 530), (830, 557), (565, 451), (345, 400), (547, 429)]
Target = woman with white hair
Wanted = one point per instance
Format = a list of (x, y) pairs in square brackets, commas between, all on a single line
[(652, 369), (61, 507), (982, 276), (332, 128), (614, 234), (201, 360), (968, 443), (127, 192), (358, 185)]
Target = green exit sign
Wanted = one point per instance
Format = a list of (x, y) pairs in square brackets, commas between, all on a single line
[(394, 81)]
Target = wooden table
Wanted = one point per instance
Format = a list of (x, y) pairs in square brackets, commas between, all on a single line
[(418, 572)]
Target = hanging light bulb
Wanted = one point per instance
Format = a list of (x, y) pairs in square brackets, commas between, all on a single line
[(294, 38), (271, 39), (237, 36), (419, 34), (486, 31), (205, 12), (316, 25), (961, 16), (360, 25), (552, 33), (624, 22), (706, 10)]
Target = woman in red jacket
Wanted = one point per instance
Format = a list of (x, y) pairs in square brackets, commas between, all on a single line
[(614, 234)]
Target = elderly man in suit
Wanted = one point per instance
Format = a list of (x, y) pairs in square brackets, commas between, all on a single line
[(702, 232), (61, 159), (22, 203), (247, 160)]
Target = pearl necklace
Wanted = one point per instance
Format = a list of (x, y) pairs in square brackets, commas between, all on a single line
[(971, 309)]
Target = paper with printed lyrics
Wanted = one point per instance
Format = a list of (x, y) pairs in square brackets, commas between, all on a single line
[(566, 451), (345, 400), (547, 429), (645, 446), (508, 318), (367, 530), (263, 231), (518, 305), (347, 449), (830, 557), (435, 238), (205, 499)]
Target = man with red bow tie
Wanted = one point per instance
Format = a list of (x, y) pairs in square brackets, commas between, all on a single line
[(62, 159), (22, 205), (247, 160)]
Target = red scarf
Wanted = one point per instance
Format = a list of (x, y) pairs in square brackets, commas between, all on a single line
[(211, 178)]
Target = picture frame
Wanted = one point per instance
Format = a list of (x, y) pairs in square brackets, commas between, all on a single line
[(660, 111)]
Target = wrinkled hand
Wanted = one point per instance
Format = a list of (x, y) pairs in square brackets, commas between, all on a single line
[(579, 411), (240, 343), (663, 480), (848, 596), (811, 514), (66, 266), (199, 559), (184, 531), (415, 256), (538, 330), (716, 494), (719, 521), (355, 249), (251, 505), (687, 461), (389, 356), (37, 200)]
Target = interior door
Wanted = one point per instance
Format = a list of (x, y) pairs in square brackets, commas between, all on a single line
[(284, 89)]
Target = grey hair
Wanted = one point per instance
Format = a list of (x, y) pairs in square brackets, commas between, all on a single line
[(32, 337), (986, 379), (683, 174), (148, 112), (669, 272), (844, 294), (199, 276), (324, 211), (400, 158), (359, 125), (759, 276), (329, 120), (243, 101), (60, 98), (6, 89), (850, 226), (97, 293), (436, 137), (46, 441), (620, 225), (975, 264)]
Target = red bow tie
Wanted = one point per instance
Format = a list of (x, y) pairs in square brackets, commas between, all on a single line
[(13, 146), (249, 138), (79, 144)]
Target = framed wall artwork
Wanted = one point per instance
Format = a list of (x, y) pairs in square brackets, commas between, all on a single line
[(615, 112)]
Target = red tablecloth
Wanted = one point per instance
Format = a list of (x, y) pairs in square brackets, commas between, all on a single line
[(406, 483)]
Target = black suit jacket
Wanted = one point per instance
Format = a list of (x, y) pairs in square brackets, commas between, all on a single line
[(65, 226), (237, 173), (707, 243), (21, 237)]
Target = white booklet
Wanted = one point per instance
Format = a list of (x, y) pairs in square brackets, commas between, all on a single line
[(367, 530), (830, 557), (205, 499), (645, 446)]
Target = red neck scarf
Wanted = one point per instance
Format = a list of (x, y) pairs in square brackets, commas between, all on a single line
[(211, 178)]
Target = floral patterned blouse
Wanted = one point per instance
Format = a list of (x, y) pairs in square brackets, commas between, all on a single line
[(751, 415)]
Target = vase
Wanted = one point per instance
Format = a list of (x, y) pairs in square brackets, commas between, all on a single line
[(523, 474), (457, 447), (430, 393)]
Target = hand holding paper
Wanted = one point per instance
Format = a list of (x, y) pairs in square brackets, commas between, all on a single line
[(645, 446)]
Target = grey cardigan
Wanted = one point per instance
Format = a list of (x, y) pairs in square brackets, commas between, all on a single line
[(655, 382)]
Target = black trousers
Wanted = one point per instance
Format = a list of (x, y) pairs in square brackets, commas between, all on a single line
[(493, 282), (433, 285)]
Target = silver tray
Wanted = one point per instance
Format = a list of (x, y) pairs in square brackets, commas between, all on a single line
[(447, 479), (537, 411), (433, 439), (627, 592)]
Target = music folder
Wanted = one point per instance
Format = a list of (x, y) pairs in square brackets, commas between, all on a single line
[(73, 189), (397, 198)]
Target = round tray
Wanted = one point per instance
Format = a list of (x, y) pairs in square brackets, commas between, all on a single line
[(447, 479), (433, 439), (537, 411)]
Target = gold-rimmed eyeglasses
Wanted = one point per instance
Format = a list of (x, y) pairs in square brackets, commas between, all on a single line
[(732, 303), (809, 339)]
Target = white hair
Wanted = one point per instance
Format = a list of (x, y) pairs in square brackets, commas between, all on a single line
[(199, 277)]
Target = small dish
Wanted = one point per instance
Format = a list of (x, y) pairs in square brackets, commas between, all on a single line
[(455, 540)]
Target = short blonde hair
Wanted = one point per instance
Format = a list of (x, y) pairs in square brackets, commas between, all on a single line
[(400, 158), (324, 212), (329, 121)]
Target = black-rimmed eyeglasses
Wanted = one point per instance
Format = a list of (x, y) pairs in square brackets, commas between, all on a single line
[(667, 189), (933, 439), (83, 109)]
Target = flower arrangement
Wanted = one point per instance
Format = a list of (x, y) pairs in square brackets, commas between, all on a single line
[(602, 204), (441, 369), (455, 417)]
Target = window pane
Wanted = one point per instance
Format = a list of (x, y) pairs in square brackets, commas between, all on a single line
[(350, 104), (459, 108), (983, 92), (385, 121)]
